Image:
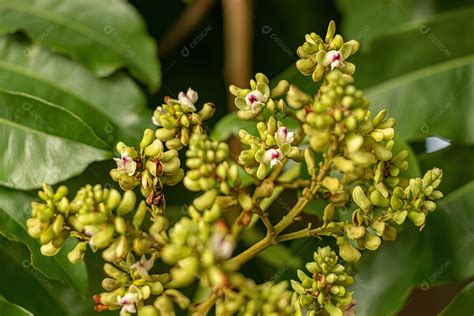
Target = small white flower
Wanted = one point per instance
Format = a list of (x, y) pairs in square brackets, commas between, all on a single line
[(273, 156), (144, 265), (283, 136), (188, 99), (128, 303), (255, 98), (126, 164), (333, 58), (222, 246)]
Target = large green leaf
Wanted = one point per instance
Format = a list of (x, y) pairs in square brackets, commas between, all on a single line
[(10, 309), (462, 304), (14, 211), (42, 142), (442, 252), (111, 106), (25, 285), (103, 35), (421, 73)]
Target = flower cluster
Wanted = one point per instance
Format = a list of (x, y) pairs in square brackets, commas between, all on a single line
[(319, 56), (325, 288), (274, 145), (252, 102), (178, 118), (346, 157)]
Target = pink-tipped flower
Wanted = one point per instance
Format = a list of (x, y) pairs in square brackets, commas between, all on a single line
[(273, 156), (188, 99), (255, 98), (283, 136), (126, 164), (128, 303), (143, 266), (333, 58)]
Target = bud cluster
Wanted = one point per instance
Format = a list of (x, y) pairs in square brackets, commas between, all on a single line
[(197, 248), (131, 287), (248, 298), (319, 57), (381, 210), (102, 218), (177, 119), (209, 166), (325, 288)]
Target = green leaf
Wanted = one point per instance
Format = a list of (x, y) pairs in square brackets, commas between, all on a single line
[(14, 211), (462, 304), (111, 106), (429, 90), (103, 35), (25, 285), (364, 19), (10, 309), (42, 142), (441, 253)]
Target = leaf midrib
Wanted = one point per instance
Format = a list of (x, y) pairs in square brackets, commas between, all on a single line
[(23, 71), (47, 103)]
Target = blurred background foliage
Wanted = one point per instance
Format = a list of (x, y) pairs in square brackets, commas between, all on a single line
[(76, 76)]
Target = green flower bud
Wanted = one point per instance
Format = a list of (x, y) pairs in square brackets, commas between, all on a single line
[(113, 199), (148, 138), (378, 199), (347, 252), (206, 200), (127, 204), (371, 242), (281, 89), (164, 305), (49, 249), (115, 273), (417, 218), (103, 238), (354, 231), (164, 134), (360, 199), (245, 201), (154, 149), (77, 254), (319, 140), (120, 225), (139, 215)]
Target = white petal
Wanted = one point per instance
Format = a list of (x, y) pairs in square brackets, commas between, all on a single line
[(192, 95)]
